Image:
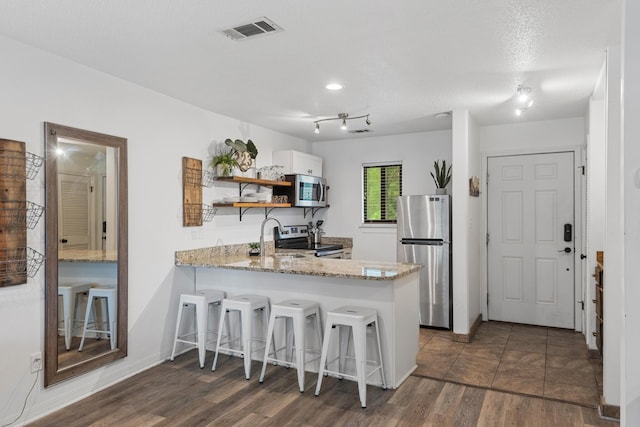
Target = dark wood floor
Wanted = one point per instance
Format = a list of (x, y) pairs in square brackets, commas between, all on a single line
[(179, 393), (92, 348)]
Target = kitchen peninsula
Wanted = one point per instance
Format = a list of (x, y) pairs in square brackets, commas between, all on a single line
[(390, 288), (87, 265)]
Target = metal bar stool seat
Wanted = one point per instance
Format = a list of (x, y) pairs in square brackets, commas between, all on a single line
[(96, 294), (352, 321), (201, 301), (245, 306), (69, 294), (295, 314)]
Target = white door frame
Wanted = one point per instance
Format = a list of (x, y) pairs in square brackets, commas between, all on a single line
[(579, 230)]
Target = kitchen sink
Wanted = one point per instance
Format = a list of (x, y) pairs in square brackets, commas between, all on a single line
[(289, 255)]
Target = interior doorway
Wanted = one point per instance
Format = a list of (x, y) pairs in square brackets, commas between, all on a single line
[(531, 235)]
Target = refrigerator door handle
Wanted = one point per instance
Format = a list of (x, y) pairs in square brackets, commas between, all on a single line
[(422, 242)]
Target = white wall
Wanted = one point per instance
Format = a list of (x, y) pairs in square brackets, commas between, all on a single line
[(343, 161), (467, 285), (613, 275), (631, 135), (532, 136), (38, 87)]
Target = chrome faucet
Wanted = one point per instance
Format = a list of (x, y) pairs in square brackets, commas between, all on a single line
[(262, 232)]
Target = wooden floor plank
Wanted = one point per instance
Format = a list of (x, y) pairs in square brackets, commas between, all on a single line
[(179, 393)]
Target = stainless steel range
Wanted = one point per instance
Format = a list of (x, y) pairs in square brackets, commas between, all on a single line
[(297, 237)]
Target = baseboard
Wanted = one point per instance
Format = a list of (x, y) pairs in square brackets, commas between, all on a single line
[(608, 411), (466, 338)]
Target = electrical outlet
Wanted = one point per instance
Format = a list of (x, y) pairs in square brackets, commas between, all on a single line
[(36, 362)]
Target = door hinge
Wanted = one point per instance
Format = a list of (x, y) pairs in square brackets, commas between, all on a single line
[(582, 168), (581, 304), (487, 240)]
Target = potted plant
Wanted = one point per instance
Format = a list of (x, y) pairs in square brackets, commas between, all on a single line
[(254, 248), (442, 176), (245, 153), (223, 162)]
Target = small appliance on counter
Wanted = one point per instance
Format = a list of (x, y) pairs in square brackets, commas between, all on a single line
[(297, 237), (315, 232), (424, 237)]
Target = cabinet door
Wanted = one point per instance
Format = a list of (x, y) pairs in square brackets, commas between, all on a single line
[(298, 162), (306, 164)]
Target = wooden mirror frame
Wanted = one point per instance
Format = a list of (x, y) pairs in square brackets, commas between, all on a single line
[(52, 373)]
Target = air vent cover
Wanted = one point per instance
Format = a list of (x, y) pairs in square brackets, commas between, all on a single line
[(360, 131), (259, 26)]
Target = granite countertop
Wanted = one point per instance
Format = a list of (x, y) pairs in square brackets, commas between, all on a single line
[(293, 263), (87, 255)]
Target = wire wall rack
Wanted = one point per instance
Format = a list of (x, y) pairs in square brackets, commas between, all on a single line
[(16, 214), (18, 164), (194, 211), (17, 261), (199, 177)]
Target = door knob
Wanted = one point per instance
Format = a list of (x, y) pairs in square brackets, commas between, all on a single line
[(63, 241), (566, 250)]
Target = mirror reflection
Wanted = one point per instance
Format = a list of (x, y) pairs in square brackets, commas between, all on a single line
[(86, 251), (87, 254)]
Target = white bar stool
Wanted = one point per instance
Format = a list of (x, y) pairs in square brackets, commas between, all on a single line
[(201, 301), (69, 294), (245, 306), (295, 313), (109, 294), (357, 319)]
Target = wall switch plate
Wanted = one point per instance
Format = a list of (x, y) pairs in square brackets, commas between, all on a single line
[(36, 362)]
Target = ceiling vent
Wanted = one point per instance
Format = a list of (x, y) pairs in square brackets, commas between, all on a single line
[(258, 27), (361, 130)]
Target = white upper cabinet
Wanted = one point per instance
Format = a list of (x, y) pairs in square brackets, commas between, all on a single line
[(298, 162)]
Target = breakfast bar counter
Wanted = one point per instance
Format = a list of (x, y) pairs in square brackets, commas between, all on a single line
[(389, 288), (298, 263)]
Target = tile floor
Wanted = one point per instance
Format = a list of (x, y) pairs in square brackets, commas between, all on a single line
[(531, 360)]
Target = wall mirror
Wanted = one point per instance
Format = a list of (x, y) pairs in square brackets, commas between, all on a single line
[(86, 251)]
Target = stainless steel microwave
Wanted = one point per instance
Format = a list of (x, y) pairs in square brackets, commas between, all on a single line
[(306, 191)]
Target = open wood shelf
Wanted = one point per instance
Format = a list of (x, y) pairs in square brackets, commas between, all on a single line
[(243, 180), (251, 205)]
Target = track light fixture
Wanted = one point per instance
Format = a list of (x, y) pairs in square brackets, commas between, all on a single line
[(343, 117)]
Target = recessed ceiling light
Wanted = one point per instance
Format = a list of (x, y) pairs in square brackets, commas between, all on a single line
[(334, 86)]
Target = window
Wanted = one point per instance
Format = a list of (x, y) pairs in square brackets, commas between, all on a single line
[(382, 184)]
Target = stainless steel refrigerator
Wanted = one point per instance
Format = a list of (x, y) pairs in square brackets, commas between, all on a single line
[(424, 237)]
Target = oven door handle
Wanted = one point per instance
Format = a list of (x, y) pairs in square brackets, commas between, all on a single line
[(329, 253)]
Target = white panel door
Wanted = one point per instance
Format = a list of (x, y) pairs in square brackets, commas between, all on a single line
[(530, 265), (74, 211)]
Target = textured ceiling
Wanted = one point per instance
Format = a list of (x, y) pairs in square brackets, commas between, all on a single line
[(401, 61)]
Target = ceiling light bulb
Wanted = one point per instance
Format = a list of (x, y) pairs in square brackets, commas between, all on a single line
[(334, 86), (344, 124), (530, 103), (317, 128), (524, 93), (518, 112)]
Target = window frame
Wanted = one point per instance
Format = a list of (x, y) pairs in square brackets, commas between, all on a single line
[(382, 222)]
